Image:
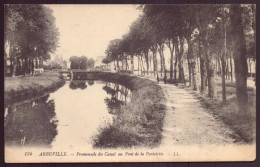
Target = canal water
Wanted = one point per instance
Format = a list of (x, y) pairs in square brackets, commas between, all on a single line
[(68, 118)]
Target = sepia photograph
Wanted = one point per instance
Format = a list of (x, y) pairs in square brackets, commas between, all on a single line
[(129, 83)]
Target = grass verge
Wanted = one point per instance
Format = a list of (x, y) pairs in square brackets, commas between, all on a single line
[(139, 122), (21, 88), (242, 123)]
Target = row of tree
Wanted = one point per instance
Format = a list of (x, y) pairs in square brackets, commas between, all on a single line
[(56, 63), (209, 38), (30, 37), (81, 62)]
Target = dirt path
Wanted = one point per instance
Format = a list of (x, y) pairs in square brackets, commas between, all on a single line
[(186, 122)]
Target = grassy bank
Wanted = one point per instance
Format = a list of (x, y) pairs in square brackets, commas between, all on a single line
[(21, 88), (139, 122), (243, 124)]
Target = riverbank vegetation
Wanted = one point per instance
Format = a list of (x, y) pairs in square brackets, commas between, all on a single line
[(204, 43), (21, 88), (242, 123), (139, 122)]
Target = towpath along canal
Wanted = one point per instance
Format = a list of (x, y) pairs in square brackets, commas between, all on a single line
[(187, 122)]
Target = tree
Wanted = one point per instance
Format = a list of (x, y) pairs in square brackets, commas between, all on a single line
[(83, 62), (31, 35), (224, 24), (140, 40), (248, 22), (204, 17), (90, 63), (188, 31), (106, 60), (113, 52), (201, 35), (56, 63), (240, 52), (78, 62), (73, 62), (166, 21)]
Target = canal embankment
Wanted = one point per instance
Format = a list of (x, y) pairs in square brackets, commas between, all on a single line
[(139, 122), (22, 88)]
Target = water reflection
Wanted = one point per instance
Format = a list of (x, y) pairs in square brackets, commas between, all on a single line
[(67, 118), (31, 123), (91, 82), (75, 84), (119, 95)]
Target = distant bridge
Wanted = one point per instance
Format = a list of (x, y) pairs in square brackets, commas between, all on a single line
[(79, 75)]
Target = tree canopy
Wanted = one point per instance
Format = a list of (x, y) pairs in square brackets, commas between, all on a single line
[(81, 62), (30, 35), (199, 35)]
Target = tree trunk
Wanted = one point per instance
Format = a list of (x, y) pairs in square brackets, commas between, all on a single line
[(198, 70), (32, 66), (141, 63), (227, 69), (161, 48), (194, 82), (29, 66), (223, 62), (210, 72), (150, 63), (176, 47), (25, 68), (117, 63), (189, 69), (219, 67), (36, 62), (154, 61), (171, 59), (203, 71), (41, 63), (138, 63), (203, 74), (132, 64), (181, 71), (254, 28), (161, 61), (125, 64), (211, 79), (240, 52), (175, 68), (181, 75), (249, 63), (114, 64), (14, 66), (231, 67), (147, 61), (171, 65), (253, 21), (164, 65), (191, 63)]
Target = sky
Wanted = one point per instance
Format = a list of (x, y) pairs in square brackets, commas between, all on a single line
[(87, 29)]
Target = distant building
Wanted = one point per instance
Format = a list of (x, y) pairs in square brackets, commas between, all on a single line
[(98, 61), (101, 66)]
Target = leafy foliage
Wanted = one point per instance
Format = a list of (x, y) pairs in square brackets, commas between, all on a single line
[(30, 33)]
